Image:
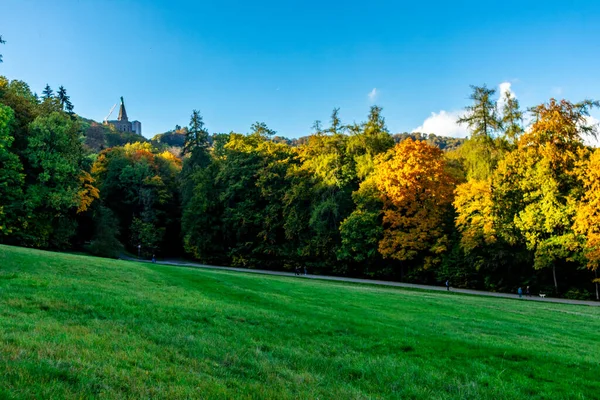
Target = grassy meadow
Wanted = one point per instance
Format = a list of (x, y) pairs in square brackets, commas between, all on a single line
[(73, 326)]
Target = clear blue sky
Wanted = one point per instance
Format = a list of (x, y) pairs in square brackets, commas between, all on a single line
[(288, 63)]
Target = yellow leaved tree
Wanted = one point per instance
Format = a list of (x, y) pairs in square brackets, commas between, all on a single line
[(417, 192), (587, 219), (474, 206), (536, 187), (88, 192)]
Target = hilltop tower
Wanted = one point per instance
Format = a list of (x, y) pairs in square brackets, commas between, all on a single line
[(122, 123), (122, 113)]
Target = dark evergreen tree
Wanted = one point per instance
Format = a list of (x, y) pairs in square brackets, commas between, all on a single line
[(197, 135), (68, 106), (1, 42), (64, 100), (47, 93)]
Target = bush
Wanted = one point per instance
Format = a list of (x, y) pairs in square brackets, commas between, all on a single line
[(578, 294)]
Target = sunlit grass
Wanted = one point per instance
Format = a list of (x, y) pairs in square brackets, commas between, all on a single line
[(78, 327)]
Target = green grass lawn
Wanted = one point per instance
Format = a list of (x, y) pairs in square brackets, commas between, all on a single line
[(80, 327)]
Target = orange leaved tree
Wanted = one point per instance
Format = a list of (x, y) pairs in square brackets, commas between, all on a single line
[(417, 193)]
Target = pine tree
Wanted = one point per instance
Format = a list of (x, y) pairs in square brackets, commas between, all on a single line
[(481, 117), (317, 127), (197, 135), (482, 150), (69, 106), (512, 119), (47, 93), (65, 100), (1, 42), (336, 123), (62, 96)]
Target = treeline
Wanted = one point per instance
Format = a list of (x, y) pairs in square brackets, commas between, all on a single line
[(175, 139), (507, 207)]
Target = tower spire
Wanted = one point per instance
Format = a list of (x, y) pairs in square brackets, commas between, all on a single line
[(122, 112)]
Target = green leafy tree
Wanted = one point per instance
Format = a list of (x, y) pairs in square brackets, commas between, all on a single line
[(261, 130), (253, 181), (147, 235), (11, 177), (140, 186), (362, 231), (201, 220), (55, 158), (18, 96), (371, 139)]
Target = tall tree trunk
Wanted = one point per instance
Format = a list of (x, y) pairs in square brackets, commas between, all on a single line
[(554, 275)]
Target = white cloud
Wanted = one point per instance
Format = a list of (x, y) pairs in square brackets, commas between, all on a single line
[(443, 124), (557, 91), (590, 140), (373, 94), (528, 120), (504, 92)]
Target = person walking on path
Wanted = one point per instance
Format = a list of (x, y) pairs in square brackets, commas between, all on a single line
[(527, 293), (305, 272), (154, 258), (447, 285), (520, 291)]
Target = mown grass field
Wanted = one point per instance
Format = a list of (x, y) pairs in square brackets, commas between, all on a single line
[(79, 327)]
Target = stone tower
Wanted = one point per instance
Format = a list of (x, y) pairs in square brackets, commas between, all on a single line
[(122, 123), (122, 112)]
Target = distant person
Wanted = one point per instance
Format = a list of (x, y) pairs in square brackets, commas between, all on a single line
[(527, 293), (305, 271), (447, 285), (520, 291), (153, 258), (297, 271)]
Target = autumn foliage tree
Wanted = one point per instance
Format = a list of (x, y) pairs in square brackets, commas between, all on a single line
[(417, 193), (587, 219), (539, 184), (475, 219)]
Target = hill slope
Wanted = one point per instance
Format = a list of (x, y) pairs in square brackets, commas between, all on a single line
[(75, 326)]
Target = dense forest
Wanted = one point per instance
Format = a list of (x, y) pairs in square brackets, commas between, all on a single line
[(512, 205)]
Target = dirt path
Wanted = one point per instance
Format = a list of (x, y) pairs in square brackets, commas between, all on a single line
[(372, 282)]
